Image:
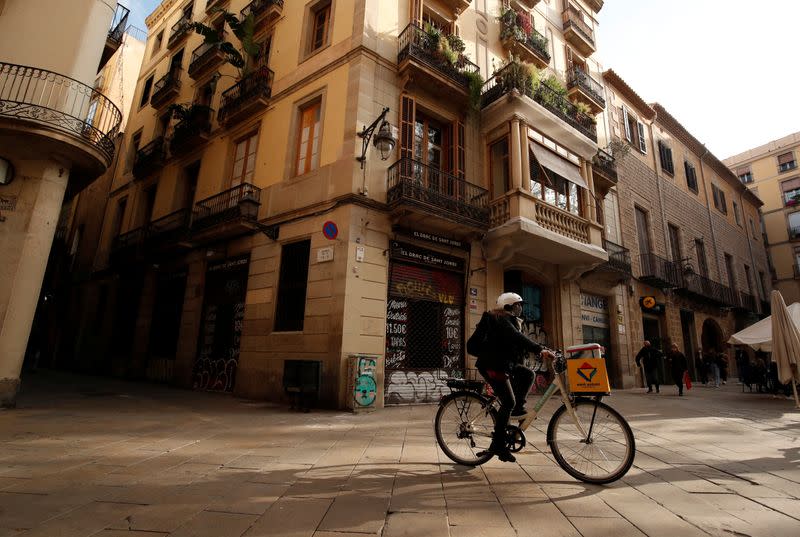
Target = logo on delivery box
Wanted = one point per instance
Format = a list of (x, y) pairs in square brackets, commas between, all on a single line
[(587, 371)]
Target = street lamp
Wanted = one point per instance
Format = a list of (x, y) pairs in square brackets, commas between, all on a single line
[(384, 140)]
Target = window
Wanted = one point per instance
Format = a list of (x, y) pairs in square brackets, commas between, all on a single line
[(498, 154), (634, 130), (148, 85), (700, 250), (640, 131), (791, 197), (307, 149), (691, 176), (665, 154), (244, 160), (794, 225), (292, 284), (136, 141), (147, 205), (753, 228), (729, 268), (116, 226), (745, 174), (786, 162), (736, 213), (675, 242), (554, 189), (749, 280), (719, 199), (157, 42), (642, 231), (320, 26), (176, 63)]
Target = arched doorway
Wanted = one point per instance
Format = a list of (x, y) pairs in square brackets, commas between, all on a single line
[(711, 338)]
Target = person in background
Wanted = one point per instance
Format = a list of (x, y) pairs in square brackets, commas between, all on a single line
[(648, 359), (713, 366), (741, 364), (722, 362), (678, 366), (700, 364)]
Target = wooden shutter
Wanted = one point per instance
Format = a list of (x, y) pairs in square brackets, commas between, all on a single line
[(461, 134), (627, 125), (642, 143), (408, 112), (785, 158)]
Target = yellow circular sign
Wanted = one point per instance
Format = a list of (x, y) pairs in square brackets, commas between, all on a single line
[(648, 302)]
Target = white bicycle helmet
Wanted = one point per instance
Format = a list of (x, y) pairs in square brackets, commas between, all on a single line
[(508, 299)]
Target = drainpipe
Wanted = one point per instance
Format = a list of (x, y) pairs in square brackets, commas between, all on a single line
[(658, 183)]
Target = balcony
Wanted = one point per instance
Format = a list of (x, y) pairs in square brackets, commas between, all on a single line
[(613, 272), (585, 89), (422, 196), (247, 97), (577, 33), (166, 89), (457, 6), (524, 228), (128, 247), (529, 4), (746, 303), (551, 112), (227, 214), (419, 60), (215, 5), (60, 116), (168, 232), (149, 159), (205, 58), (658, 272), (179, 31), (705, 289), (794, 233), (191, 131), (604, 171), (115, 33), (264, 12), (529, 47)]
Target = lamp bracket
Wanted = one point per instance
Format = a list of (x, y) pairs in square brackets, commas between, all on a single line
[(269, 231), (366, 135)]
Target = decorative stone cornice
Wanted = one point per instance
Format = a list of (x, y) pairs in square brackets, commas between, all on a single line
[(162, 9)]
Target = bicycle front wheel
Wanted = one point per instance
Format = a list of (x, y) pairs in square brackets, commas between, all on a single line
[(603, 457), (464, 425)]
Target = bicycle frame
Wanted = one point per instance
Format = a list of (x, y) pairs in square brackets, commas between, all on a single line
[(556, 386)]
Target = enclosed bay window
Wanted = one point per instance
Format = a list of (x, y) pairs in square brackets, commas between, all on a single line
[(555, 181)]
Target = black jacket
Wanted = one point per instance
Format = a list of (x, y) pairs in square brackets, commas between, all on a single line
[(677, 362), (649, 357), (506, 345)]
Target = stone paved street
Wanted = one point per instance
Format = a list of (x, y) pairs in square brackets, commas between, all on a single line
[(87, 456)]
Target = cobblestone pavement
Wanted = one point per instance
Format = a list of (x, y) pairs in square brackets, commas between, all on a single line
[(88, 456)]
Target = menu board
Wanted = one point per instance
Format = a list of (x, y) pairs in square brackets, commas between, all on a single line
[(396, 332), (451, 337)]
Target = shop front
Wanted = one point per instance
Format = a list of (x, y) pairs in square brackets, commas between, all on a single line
[(424, 323)]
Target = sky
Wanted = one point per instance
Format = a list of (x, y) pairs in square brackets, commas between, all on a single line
[(722, 68)]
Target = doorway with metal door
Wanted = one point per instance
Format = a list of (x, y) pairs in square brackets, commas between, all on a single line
[(652, 332)]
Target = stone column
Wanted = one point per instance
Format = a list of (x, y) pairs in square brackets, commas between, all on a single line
[(43, 197), (525, 160), (587, 173), (515, 156)]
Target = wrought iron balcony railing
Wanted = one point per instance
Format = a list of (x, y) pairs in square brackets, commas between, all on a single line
[(619, 257), (416, 44), (794, 232), (128, 243), (502, 82), (179, 30), (30, 94), (204, 56), (149, 158), (705, 288), (192, 130), (658, 271), (578, 77), (605, 163), (241, 201), (411, 181), (574, 18), (259, 7), (166, 87), (257, 85), (535, 43), (747, 301), (118, 23)]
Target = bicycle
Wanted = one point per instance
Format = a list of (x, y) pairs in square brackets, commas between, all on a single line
[(590, 440)]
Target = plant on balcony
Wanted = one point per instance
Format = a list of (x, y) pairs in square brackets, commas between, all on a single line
[(247, 56), (510, 27), (794, 200), (514, 74), (457, 44), (193, 119), (584, 109), (475, 89)]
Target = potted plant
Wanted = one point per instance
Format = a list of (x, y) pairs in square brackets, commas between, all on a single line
[(247, 56)]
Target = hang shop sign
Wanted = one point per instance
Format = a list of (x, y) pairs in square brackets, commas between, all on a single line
[(594, 310), (423, 256), (430, 237), (649, 305)]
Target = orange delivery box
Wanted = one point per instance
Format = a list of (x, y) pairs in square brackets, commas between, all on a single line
[(586, 369)]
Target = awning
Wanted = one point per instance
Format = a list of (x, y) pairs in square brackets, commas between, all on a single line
[(562, 167)]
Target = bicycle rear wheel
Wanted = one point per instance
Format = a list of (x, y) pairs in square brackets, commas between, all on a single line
[(606, 456), (463, 426)]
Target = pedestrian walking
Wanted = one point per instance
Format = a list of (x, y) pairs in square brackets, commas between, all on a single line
[(722, 363), (700, 364), (741, 364), (710, 359), (648, 359), (678, 366)]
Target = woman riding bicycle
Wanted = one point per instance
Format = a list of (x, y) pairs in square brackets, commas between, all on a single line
[(502, 351)]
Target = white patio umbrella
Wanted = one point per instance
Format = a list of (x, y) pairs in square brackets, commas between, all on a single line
[(785, 343), (759, 335)]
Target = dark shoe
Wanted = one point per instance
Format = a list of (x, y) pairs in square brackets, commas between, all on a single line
[(501, 451), (657, 390), (519, 414), (649, 390)]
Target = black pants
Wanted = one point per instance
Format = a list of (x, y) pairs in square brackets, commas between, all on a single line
[(511, 392), (677, 376), (652, 378)]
